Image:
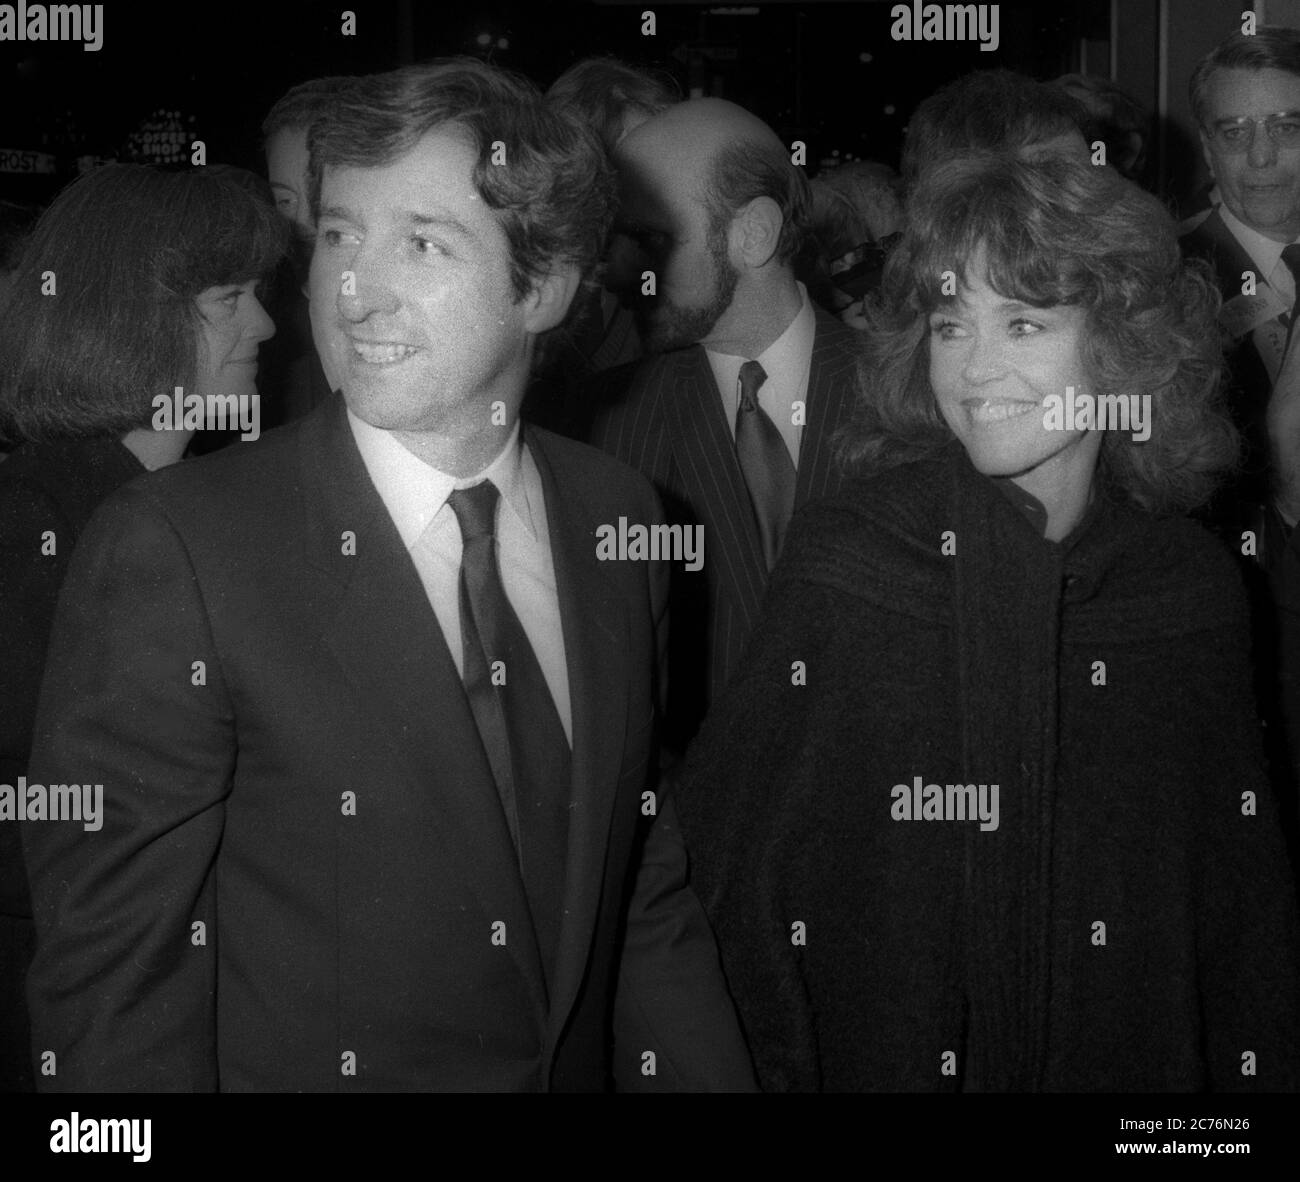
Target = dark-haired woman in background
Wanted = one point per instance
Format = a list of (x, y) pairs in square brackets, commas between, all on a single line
[(985, 809), (135, 281)]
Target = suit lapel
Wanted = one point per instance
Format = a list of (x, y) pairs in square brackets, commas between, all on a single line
[(1226, 254), (714, 485), (830, 397), (386, 637), (593, 617), (1214, 242)]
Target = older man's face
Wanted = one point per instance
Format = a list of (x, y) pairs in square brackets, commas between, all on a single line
[(1258, 176)]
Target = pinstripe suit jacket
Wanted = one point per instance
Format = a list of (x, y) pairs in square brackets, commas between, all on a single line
[(663, 416)]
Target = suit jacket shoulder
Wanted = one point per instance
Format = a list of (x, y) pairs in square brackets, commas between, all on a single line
[(600, 478), (835, 339), (615, 394), (1212, 241), (237, 476)]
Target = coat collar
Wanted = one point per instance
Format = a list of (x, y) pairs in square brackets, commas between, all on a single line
[(1213, 241)]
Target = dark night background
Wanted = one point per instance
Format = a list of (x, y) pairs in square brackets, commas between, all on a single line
[(826, 73)]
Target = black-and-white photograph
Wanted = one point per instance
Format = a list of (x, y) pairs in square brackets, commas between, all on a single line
[(652, 547)]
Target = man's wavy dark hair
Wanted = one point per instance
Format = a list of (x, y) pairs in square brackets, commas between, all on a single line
[(554, 196), (1051, 232)]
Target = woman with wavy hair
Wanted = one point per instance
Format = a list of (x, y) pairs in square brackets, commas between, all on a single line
[(985, 807), (135, 281)]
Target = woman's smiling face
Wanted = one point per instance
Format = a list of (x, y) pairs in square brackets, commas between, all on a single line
[(993, 364)]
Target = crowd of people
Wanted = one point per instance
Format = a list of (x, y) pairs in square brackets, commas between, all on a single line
[(967, 758)]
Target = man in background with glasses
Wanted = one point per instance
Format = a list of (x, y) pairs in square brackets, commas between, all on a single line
[(1245, 97)]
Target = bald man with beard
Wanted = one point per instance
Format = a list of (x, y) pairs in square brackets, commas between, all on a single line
[(731, 415)]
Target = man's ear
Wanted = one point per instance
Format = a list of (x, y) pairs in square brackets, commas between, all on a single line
[(546, 305), (755, 233)]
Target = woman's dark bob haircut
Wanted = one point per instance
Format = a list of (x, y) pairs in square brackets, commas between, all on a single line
[(99, 316), (1054, 231)]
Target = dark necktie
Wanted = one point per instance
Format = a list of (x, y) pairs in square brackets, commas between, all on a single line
[(765, 462), (1291, 257), (520, 727)]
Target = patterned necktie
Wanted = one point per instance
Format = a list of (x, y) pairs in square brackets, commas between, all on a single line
[(516, 717), (765, 462)]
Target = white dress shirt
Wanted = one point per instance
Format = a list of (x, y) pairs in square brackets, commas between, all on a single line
[(415, 495), (786, 361)]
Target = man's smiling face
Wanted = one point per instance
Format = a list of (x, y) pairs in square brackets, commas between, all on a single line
[(426, 332)]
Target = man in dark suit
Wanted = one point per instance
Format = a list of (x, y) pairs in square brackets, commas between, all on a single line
[(1245, 95), (374, 724), (733, 417)]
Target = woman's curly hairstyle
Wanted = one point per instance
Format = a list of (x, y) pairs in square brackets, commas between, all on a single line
[(1054, 231)]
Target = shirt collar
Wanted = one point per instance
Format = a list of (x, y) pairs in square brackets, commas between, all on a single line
[(414, 492), (1035, 512), (788, 354), (785, 360), (1264, 252)]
